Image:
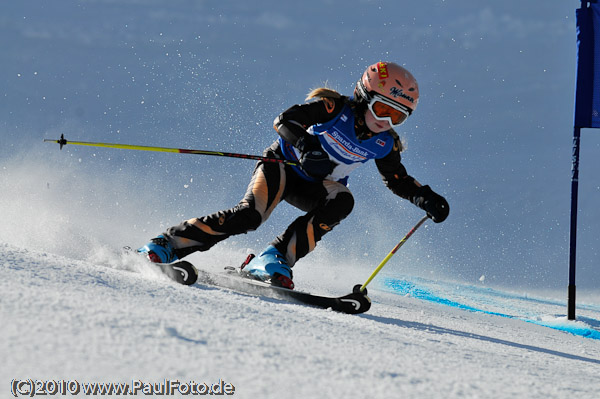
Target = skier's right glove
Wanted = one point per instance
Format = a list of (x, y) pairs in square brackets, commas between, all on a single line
[(314, 161), (316, 164), (435, 205)]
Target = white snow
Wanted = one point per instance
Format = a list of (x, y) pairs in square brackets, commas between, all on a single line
[(114, 320)]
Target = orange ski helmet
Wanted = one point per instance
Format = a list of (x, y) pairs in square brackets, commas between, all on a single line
[(391, 81)]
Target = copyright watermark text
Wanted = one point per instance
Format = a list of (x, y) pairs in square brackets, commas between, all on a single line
[(31, 388)]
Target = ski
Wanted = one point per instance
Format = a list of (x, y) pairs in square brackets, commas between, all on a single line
[(353, 303), (183, 272)]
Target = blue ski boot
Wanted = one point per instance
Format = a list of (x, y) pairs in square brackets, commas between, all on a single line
[(270, 266), (159, 250)]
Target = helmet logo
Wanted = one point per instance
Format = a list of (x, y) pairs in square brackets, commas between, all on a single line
[(396, 92), (400, 84), (382, 70)]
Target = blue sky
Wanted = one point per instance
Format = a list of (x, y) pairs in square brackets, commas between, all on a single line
[(492, 132)]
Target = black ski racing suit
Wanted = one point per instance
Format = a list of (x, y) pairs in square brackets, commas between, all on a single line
[(325, 202)]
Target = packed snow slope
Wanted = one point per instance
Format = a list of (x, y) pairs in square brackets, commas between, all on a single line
[(116, 320)]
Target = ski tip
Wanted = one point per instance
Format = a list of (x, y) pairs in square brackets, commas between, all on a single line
[(182, 272), (355, 303)]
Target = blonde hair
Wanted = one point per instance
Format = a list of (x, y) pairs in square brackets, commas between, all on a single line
[(323, 92)]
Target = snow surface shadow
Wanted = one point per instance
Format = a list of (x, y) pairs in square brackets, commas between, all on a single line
[(588, 320), (441, 330), (172, 331)]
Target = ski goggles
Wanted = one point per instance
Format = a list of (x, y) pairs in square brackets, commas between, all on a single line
[(384, 109)]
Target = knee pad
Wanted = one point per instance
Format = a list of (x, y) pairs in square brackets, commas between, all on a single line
[(344, 204), (334, 211)]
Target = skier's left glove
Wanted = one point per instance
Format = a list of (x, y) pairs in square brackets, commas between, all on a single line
[(435, 205)]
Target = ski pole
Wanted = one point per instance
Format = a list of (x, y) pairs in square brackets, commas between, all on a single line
[(62, 141), (396, 248)]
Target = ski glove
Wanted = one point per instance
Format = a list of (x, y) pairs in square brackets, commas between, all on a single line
[(316, 164), (435, 205), (314, 161)]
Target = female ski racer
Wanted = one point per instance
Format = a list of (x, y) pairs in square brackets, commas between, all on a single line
[(328, 137)]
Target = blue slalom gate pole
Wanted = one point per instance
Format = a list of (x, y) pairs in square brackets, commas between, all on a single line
[(571, 293), (587, 114)]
